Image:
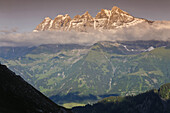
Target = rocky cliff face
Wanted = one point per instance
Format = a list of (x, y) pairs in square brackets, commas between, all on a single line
[(17, 96), (104, 20)]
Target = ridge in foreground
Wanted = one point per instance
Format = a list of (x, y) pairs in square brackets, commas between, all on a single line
[(17, 96)]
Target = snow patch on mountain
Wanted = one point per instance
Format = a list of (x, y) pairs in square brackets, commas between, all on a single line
[(150, 48)]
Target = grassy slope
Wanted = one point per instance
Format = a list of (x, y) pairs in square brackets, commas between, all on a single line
[(98, 72), (71, 105)]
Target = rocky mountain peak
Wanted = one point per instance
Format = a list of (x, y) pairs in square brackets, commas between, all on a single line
[(86, 15), (44, 25), (67, 15), (59, 16), (104, 20), (117, 10), (47, 18), (114, 8), (76, 17), (63, 16), (104, 13)]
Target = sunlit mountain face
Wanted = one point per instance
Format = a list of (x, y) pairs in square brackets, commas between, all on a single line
[(106, 19)]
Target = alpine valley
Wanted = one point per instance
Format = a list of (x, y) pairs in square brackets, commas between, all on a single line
[(83, 74)]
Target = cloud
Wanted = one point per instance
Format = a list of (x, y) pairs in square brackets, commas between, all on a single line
[(144, 31), (7, 31)]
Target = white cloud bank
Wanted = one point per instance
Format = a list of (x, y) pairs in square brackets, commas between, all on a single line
[(157, 31)]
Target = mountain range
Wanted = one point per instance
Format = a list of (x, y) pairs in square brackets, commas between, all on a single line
[(85, 74), (79, 73), (104, 20)]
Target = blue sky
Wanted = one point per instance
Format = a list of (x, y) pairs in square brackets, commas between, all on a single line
[(25, 15)]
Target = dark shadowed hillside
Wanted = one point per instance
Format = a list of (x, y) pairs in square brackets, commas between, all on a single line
[(154, 101), (17, 96)]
